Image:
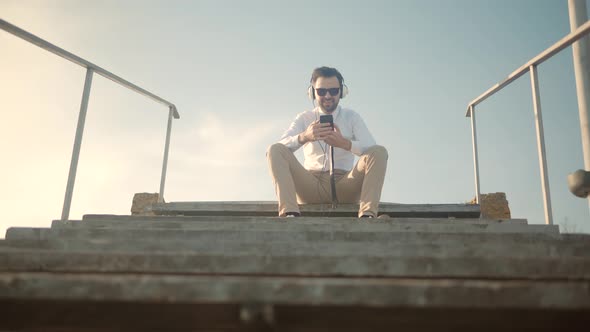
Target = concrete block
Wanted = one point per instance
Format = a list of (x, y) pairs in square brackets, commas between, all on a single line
[(142, 204), (494, 206)]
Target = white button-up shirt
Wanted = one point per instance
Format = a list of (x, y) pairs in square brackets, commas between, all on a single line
[(316, 153)]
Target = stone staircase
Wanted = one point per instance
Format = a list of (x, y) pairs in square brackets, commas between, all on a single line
[(233, 266)]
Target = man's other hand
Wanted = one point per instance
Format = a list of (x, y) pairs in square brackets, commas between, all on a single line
[(335, 139)]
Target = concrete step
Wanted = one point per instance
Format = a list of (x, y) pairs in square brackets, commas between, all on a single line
[(301, 236), (384, 292), (132, 302), (302, 243), (307, 224), (269, 208), (335, 221), (165, 316), (537, 268)]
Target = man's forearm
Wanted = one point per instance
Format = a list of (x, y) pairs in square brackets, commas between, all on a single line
[(347, 145), (344, 144), (301, 139)]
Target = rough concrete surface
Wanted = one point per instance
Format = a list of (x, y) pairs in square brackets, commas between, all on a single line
[(493, 206), (429, 268), (142, 204)]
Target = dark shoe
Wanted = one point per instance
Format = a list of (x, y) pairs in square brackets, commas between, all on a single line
[(292, 214)]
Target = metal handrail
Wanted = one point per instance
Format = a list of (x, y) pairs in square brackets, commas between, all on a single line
[(542, 57), (530, 67), (90, 70)]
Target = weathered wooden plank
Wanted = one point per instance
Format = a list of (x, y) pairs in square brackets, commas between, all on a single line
[(265, 208), (536, 268)]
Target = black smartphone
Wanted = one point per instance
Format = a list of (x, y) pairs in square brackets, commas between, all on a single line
[(328, 118)]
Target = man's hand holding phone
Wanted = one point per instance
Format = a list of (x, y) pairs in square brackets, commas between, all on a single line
[(325, 130), (316, 131)]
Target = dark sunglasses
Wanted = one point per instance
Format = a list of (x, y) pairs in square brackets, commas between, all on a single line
[(322, 92)]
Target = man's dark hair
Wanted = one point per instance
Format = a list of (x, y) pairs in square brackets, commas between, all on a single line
[(326, 72)]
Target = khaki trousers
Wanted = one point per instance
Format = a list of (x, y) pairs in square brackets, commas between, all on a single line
[(295, 184)]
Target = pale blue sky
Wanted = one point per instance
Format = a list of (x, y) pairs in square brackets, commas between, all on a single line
[(238, 73)]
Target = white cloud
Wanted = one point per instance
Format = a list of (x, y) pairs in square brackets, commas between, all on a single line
[(219, 141)]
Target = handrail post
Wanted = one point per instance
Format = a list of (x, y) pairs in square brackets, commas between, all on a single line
[(475, 157), (91, 69), (166, 149), (581, 51), (65, 213), (541, 145)]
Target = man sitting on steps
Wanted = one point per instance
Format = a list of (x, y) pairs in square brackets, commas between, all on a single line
[(310, 183)]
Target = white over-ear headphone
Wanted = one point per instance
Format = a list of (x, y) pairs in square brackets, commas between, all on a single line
[(311, 91)]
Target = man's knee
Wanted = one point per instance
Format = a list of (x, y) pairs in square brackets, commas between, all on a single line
[(377, 152), (275, 149)]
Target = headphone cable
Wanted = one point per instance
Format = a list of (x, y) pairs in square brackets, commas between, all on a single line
[(332, 180)]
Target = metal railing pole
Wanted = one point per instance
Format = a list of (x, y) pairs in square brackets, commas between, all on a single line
[(581, 55), (475, 158), (65, 213), (541, 145), (165, 162), (91, 69)]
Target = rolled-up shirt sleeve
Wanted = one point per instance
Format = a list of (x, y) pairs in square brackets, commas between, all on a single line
[(291, 136), (362, 138)]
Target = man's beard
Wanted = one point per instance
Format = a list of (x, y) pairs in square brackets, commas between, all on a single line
[(329, 109)]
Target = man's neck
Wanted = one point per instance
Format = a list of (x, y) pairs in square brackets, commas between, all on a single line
[(331, 112)]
